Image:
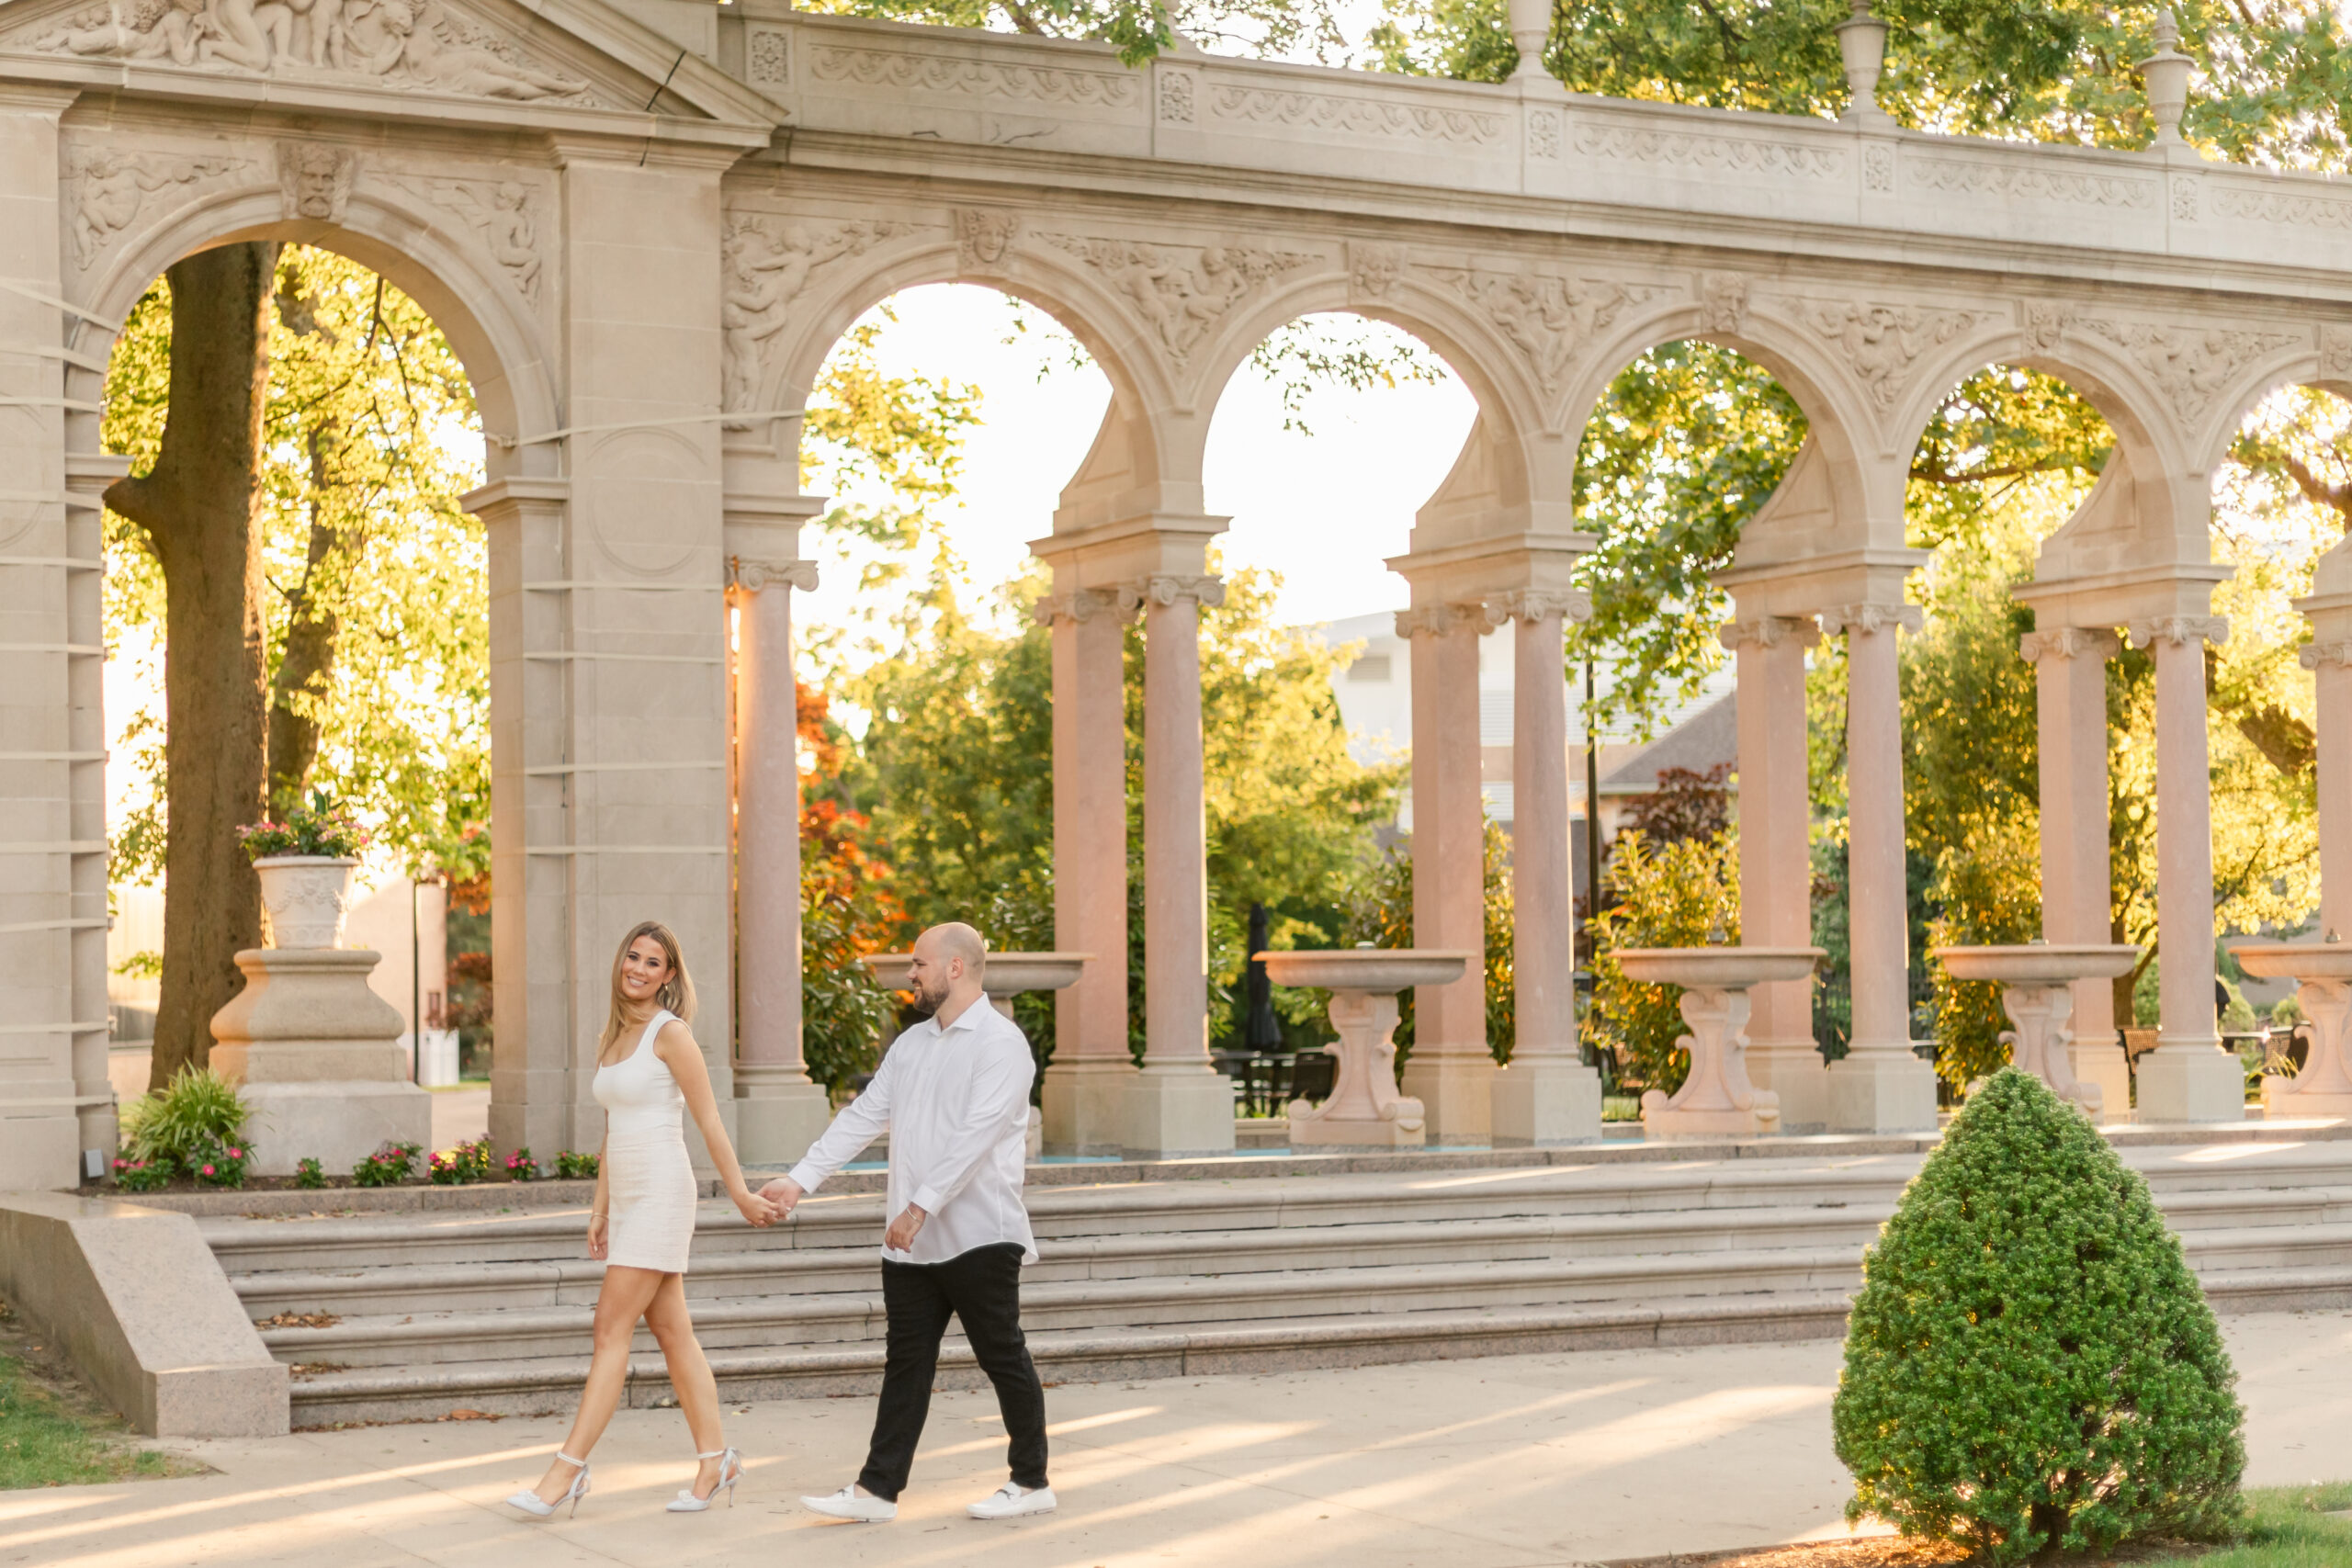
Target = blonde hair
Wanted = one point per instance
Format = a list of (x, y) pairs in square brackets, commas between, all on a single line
[(677, 992)]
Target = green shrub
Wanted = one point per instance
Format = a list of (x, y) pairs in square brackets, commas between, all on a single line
[(521, 1167), (197, 1114), (1671, 895), (571, 1165), (463, 1166), (309, 1173), (151, 1175), (220, 1165), (391, 1164), (2030, 1364)]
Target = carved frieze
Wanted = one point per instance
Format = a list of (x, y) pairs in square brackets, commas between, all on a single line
[(2025, 179), (1882, 343), (1179, 291), (1357, 116), (1722, 302), (767, 57), (1373, 268), (2336, 353), (110, 187), (1543, 135), (1545, 316), (1179, 95), (2191, 366), (974, 78), (1711, 154), (504, 214), (2233, 200), (411, 45), (767, 264), (314, 178), (2044, 325), (2184, 200), (1877, 166), (983, 234)]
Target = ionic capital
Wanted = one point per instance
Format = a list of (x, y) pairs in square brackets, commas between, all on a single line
[(1868, 619), (2067, 642), (1166, 589), (2178, 630), (1080, 605), (1769, 631), (1535, 604), (1444, 620), (2322, 655), (752, 576)]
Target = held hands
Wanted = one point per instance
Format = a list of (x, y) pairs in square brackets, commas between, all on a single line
[(785, 1194), (599, 1237), (757, 1209), (904, 1230)]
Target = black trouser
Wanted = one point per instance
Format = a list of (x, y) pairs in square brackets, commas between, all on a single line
[(981, 1287)]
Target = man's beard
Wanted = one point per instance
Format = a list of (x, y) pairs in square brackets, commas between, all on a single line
[(930, 996)]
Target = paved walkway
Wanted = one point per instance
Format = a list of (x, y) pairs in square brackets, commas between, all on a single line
[(1510, 1463)]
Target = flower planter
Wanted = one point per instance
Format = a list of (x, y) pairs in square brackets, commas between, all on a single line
[(308, 898)]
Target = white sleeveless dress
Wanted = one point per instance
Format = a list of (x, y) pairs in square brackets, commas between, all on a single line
[(648, 1178)]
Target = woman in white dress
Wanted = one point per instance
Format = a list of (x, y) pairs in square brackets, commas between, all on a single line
[(642, 1224)]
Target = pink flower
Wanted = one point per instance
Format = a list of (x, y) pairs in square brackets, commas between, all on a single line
[(236, 1154), (207, 1170)]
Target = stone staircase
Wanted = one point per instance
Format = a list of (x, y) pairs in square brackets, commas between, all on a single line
[(407, 1316)]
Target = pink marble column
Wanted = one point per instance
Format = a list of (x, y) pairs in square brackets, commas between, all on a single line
[(2187, 1077), (1880, 1085), (2070, 676), (778, 1111), (2330, 662), (1775, 805), (1084, 1094), (1178, 1104), (1451, 1070), (1546, 1094)]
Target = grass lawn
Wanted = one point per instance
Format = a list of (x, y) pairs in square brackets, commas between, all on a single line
[(53, 1433), (2290, 1528)]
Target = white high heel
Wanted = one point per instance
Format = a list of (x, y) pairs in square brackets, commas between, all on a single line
[(730, 1471), (532, 1503)]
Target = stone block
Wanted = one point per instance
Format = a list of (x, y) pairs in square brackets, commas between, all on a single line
[(2195, 1084), (1881, 1091), (1456, 1094), (139, 1305), (775, 1121), (1084, 1107), (335, 1123), (1794, 1070), (2102, 1063), (1538, 1104), (1171, 1113)]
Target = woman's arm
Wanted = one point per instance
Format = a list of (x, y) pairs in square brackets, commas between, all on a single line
[(675, 1045), (600, 1209)]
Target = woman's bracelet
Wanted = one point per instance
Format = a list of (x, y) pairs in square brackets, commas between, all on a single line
[(599, 1213)]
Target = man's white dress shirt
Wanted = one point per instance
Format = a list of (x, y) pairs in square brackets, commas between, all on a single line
[(955, 1103)]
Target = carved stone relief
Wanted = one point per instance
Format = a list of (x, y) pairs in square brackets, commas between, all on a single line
[(1357, 116), (2045, 325), (1543, 135), (767, 266), (767, 57), (1878, 167), (2178, 630), (2336, 353), (1713, 154), (1373, 269), (1722, 302), (505, 214), (1882, 343), (2067, 642), (110, 186), (945, 74), (315, 179), (2184, 200), (1179, 89), (2231, 199), (1179, 298), (982, 236), (1545, 317), (415, 45), (2191, 366), (2025, 181)]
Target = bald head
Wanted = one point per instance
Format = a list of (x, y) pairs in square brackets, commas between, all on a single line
[(949, 962)]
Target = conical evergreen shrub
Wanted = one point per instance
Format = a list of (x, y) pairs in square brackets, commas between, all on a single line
[(2031, 1365)]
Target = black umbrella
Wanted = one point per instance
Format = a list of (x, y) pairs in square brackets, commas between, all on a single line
[(1264, 1030)]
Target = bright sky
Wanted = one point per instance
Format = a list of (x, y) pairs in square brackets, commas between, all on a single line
[(1322, 510)]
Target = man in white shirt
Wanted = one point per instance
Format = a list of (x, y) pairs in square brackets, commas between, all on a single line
[(954, 1093)]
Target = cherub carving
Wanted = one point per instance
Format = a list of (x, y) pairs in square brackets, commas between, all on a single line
[(115, 184), (507, 227)]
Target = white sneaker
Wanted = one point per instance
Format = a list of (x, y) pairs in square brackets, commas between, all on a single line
[(1011, 1502), (848, 1503)]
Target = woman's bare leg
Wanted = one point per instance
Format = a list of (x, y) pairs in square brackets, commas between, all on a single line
[(626, 1294), (690, 1378)]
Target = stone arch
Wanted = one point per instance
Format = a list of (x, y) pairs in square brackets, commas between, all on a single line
[(1843, 435), (1140, 386), (487, 322), (1515, 480), (2326, 367)]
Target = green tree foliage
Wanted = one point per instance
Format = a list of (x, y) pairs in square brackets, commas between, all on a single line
[(2031, 1365), (1141, 28), (375, 613), (1382, 914), (1682, 894), (847, 909)]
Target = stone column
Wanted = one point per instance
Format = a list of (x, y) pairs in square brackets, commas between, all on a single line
[(1775, 806), (2188, 1077), (1452, 1068), (778, 1110), (2070, 674), (2330, 662), (1177, 1104), (1084, 1096), (1880, 1085), (1546, 1094)]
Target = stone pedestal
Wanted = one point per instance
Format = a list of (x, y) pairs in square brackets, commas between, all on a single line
[(1364, 1111), (318, 1057), (778, 1113), (1544, 1101), (1792, 1068), (2103, 1063), (1881, 1091), (2191, 1083), (1176, 1111), (1084, 1106)]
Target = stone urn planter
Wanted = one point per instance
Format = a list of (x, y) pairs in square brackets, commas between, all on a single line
[(2036, 980), (1716, 1099), (1365, 1110), (308, 898)]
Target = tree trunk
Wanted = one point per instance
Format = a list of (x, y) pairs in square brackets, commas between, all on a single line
[(197, 506), (306, 666)]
